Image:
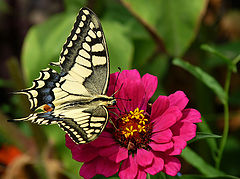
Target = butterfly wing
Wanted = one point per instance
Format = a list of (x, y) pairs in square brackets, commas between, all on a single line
[(84, 57), (84, 74)]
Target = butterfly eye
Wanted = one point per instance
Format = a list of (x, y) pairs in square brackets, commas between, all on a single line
[(114, 102), (47, 108)]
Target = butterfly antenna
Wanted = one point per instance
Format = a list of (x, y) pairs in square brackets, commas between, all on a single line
[(116, 108), (110, 120)]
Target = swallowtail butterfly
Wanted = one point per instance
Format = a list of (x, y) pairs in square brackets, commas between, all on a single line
[(75, 98)]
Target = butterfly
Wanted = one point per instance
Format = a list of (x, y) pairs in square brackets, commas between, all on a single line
[(75, 98)]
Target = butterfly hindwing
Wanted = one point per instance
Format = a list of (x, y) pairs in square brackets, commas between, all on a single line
[(41, 91), (86, 128)]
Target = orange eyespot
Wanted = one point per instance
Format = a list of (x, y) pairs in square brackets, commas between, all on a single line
[(47, 108)]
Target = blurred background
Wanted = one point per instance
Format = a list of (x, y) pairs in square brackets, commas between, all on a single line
[(158, 37)]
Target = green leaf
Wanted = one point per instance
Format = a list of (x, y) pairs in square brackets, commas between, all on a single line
[(196, 161), (203, 126), (202, 76), (120, 48), (174, 21), (5, 83), (228, 61), (74, 5), (43, 44), (203, 135), (4, 7)]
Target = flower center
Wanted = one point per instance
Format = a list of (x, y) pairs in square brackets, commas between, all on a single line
[(133, 130)]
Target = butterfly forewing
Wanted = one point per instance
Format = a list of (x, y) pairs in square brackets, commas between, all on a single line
[(84, 57), (75, 98)]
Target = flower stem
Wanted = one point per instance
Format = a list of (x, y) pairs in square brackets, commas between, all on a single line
[(226, 119)]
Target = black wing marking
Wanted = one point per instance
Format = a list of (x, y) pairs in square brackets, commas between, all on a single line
[(84, 57), (41, 92), (85, 128)]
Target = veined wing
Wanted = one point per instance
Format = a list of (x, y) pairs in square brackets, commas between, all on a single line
[(83, 125), (67, 99), (84, 57), (82, 119)]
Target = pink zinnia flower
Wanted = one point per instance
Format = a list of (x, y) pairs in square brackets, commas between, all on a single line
[(145, 138)]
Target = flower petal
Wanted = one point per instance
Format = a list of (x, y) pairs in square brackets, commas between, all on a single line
[(88, 169), (105, 139), (136, 93), (159, 107), (107, 151), (150, 83), (186, 130), (178, 99), (191, 115), (81, 153), (129, 74), (156, 166), (128, 169), (99, 166), (161, 147), (84, 153), (171, 165), (162, 137), (167, 119), (111, 85), (178, 145), (106, 167), (122, 154), (69, 142), (141, 174), (144, 157)]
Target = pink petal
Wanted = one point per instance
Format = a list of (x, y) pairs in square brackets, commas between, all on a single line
[(191, 115), (128, 169), (141, 175), (106, 167), (129, 74), (162, 137), (137, 95), (156, 167), (134, 90), (114, 153), (122, 154), (98, 166), (150, 85), (167, 119), (171, 165), (107, 151), (111, 85), (88, 169), (178, 145), (84, 153), (144, 157), (178, 99), (124, 77), (159, 107), (186, 130), (69, 142), (161, 147), (105, 139)]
